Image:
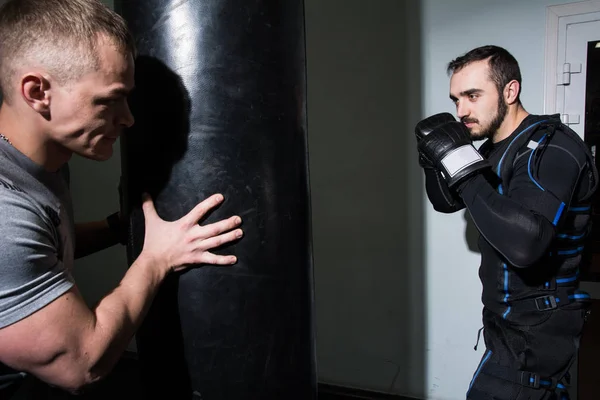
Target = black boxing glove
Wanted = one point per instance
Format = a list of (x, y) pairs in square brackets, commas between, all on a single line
[(450, 149), (427, 125), (424, 127)]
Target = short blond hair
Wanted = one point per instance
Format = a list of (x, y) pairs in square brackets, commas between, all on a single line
[(59, 35)]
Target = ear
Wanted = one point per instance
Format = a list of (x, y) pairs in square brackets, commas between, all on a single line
[(511, 92), (35, 89)]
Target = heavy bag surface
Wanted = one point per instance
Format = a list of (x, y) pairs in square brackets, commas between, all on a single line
[(220, 104)]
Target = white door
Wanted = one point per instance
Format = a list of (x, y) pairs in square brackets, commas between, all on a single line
[(570, 27), (574, 34), (578, 32)]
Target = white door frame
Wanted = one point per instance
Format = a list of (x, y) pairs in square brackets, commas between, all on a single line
[(553, 14)]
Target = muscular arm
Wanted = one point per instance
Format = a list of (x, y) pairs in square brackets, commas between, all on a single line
[(440, 196), (521, 224), (41, 307), (76, 346)]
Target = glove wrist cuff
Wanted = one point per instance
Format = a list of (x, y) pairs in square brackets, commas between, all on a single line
[(459, 159)]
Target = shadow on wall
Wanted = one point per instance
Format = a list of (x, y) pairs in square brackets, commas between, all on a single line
[(364, 99)]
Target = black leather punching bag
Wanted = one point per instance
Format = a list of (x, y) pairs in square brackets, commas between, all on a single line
[(220, 104)]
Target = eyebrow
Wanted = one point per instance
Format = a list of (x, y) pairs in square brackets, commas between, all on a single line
[(467, 92), (113, 95)]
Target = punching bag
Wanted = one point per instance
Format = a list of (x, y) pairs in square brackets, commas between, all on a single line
[(220, 107)]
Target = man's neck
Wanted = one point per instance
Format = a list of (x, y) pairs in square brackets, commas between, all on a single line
[(23, 135), (513, 119)]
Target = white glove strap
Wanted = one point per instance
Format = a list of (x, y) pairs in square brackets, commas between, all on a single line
[(460, 158)]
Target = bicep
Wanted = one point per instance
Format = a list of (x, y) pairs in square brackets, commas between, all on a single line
[(48, 343), (41, 313)]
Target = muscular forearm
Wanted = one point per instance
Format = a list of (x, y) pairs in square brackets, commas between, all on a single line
[(119, 315), (520, 235), (76, 346), (91, 237)]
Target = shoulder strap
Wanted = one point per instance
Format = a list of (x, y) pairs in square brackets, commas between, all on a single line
[(549, 125), (504, 169), (592, 169)]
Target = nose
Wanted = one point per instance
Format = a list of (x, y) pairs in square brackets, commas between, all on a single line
[(126, 118), (462, 109)]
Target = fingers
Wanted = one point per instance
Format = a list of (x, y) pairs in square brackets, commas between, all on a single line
[(202, 208), (220, 240), (216, 228), (210, 258)]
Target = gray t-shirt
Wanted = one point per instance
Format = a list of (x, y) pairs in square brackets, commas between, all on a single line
[(36, 235)]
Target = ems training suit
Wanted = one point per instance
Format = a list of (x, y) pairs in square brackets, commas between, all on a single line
[(533, 214), (37, 237)]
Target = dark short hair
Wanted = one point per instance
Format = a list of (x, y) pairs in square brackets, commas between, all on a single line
[(503, 66), (60, 35)]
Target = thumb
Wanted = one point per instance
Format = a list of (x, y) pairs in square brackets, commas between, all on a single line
[(148, 207)]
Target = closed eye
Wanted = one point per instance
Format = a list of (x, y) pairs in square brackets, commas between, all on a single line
[(114, 96), (110, 100), (106, 101)]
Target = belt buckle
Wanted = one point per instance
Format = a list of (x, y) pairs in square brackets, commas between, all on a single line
[(530, 379), (544, 303)]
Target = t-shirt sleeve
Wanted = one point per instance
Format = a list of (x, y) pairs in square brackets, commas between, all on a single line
[(31, 272)]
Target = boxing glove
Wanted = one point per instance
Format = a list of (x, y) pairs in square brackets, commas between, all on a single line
[(450, 149), (424, 127), (427, 125)]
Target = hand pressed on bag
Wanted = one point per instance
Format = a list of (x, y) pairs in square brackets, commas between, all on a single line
[(65, 92), (178, 244)]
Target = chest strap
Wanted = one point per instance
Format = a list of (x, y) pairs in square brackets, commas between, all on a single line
[(525, 378), (560, 298)]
